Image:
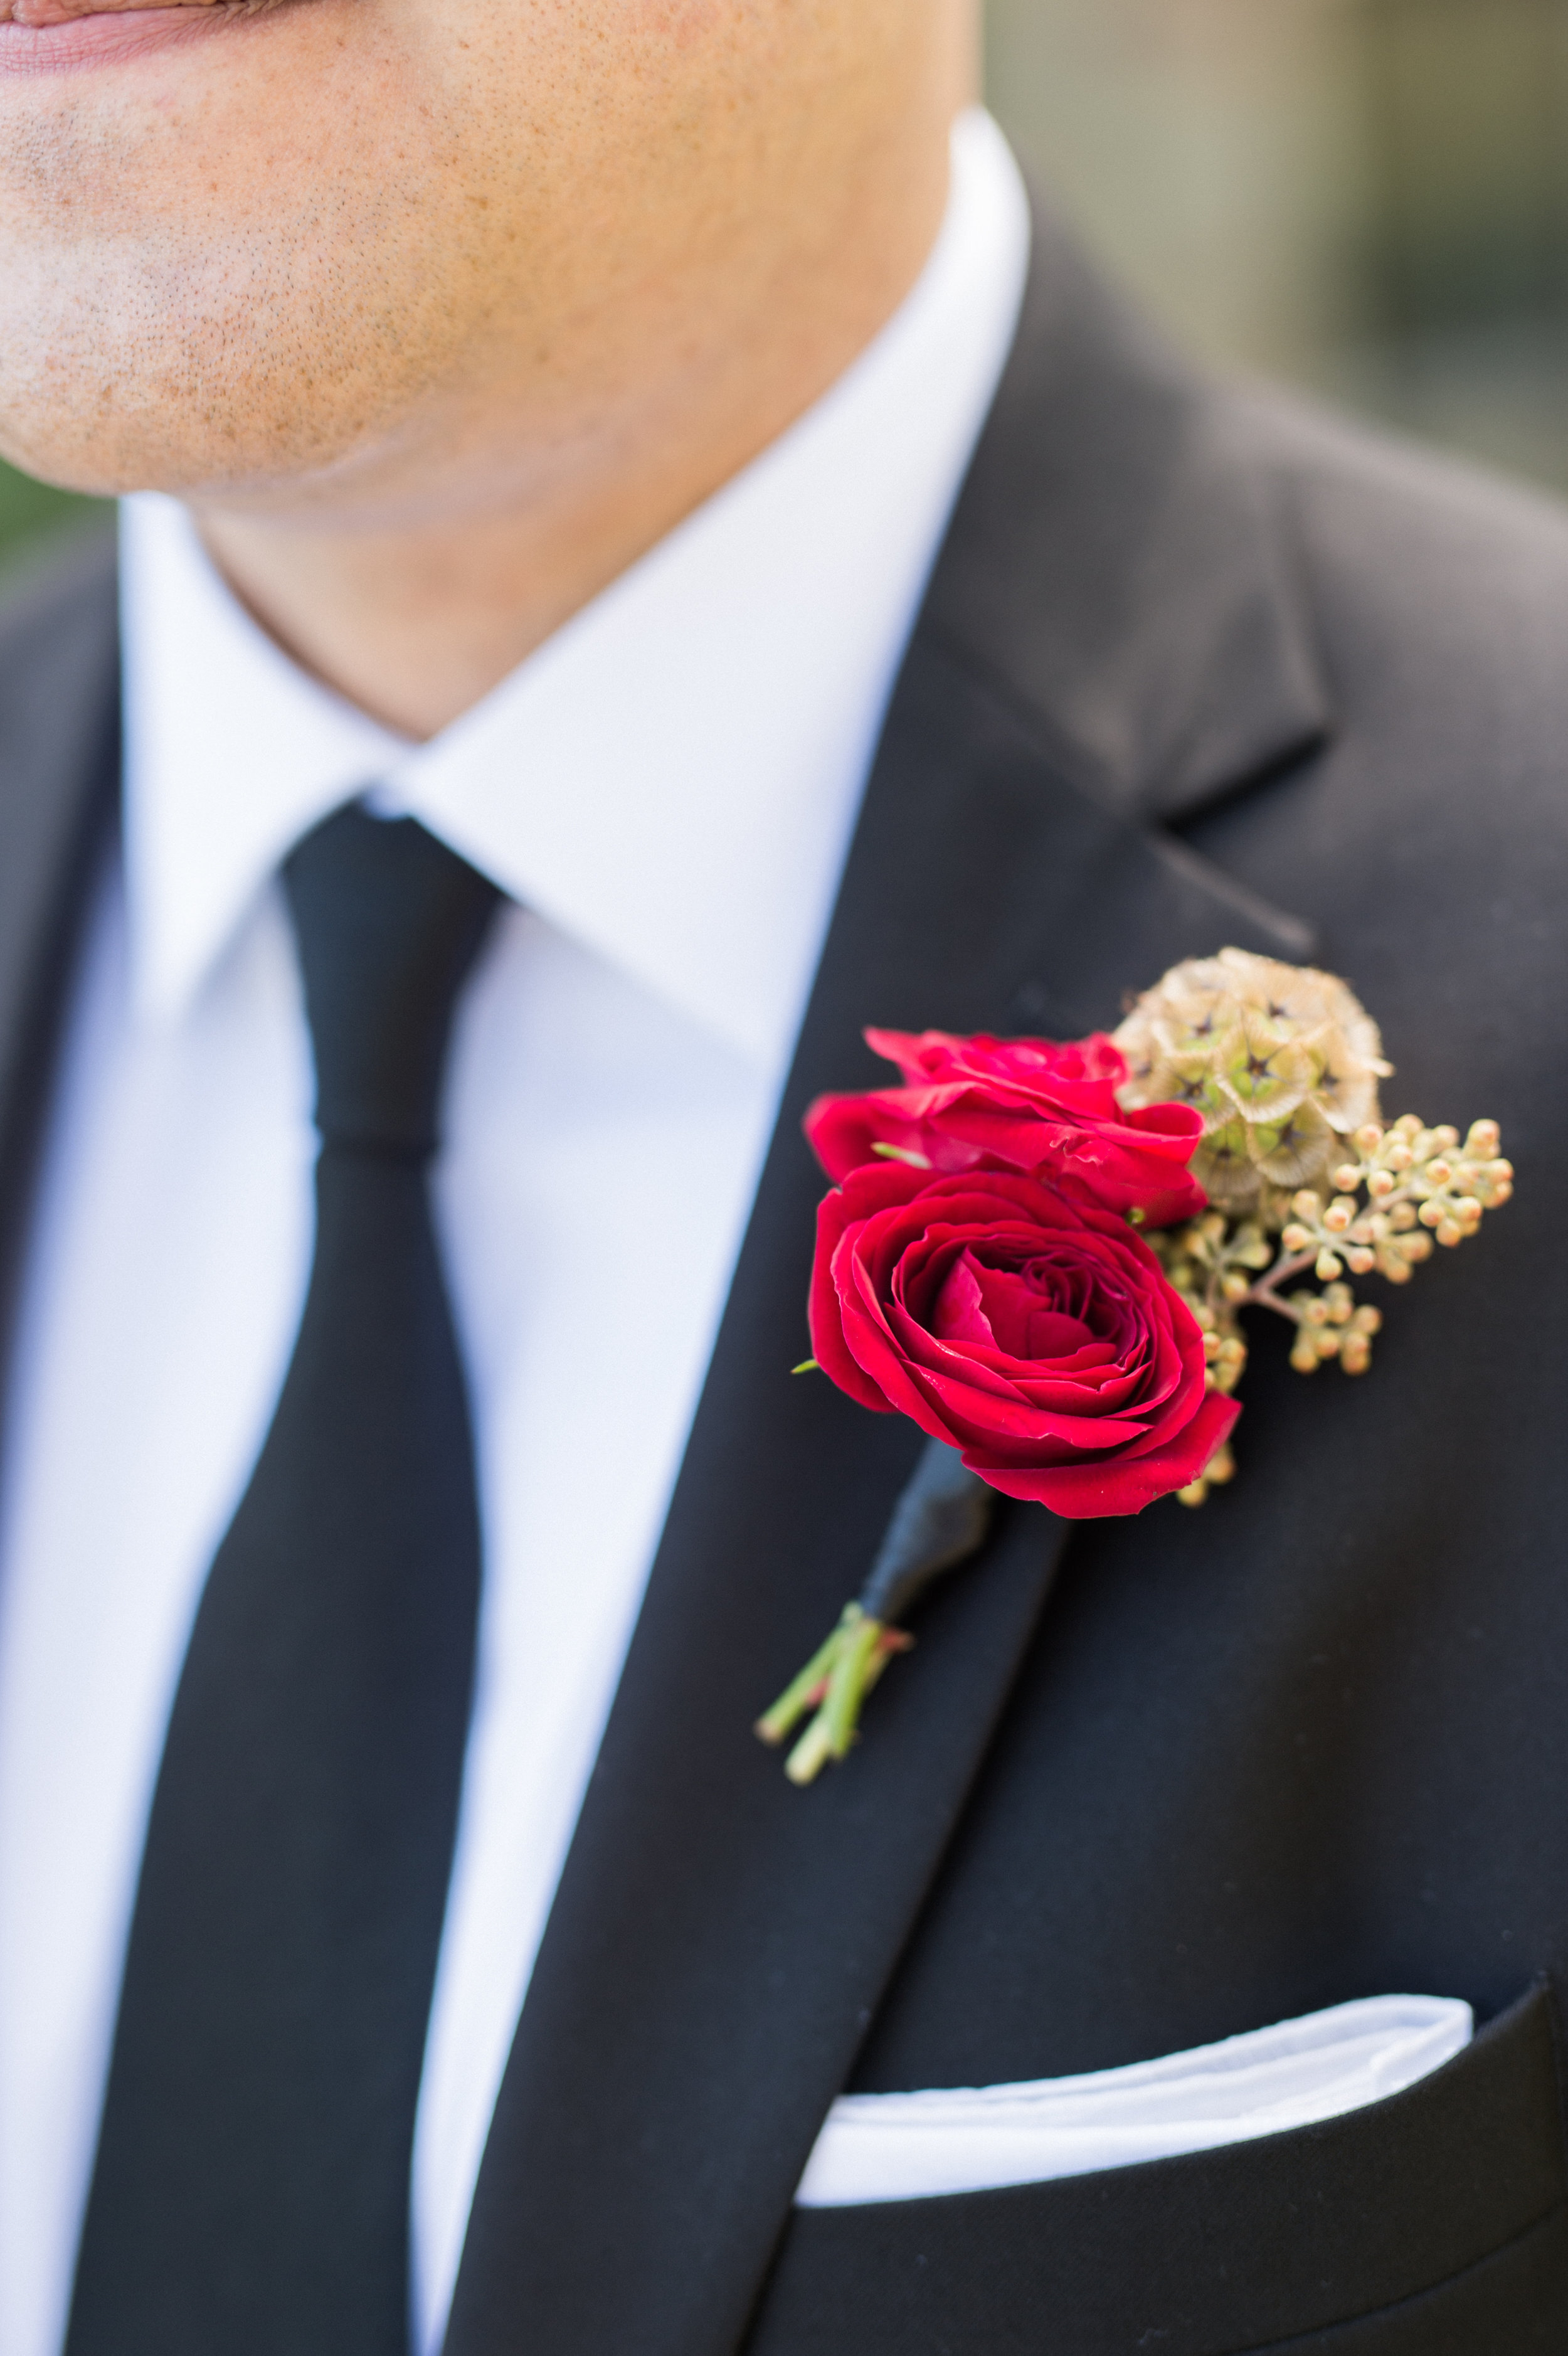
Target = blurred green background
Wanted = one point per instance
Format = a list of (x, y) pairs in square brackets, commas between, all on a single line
[(30, 511), (1367, 197)]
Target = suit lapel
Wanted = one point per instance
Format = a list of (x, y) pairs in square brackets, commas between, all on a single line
[(720, 1941), (60, 678)]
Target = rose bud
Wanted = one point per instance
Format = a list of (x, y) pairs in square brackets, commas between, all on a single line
[(1034, 1105)]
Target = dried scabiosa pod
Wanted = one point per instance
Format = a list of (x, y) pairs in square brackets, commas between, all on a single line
[(1282, 1062)]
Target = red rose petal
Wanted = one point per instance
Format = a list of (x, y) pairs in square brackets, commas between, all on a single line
[(1037, 1333)]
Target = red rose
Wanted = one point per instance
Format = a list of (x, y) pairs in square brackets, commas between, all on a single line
[(1037, 1335), (1034, 1105)]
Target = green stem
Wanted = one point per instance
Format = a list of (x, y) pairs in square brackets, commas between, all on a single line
[(1264, 1295), (848, 1685), (833, 1686), (804, 1691)]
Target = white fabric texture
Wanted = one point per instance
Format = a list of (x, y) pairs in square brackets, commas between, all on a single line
[(667, 790), (978, 2139)]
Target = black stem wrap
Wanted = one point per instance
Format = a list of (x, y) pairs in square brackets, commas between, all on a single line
[(942, 1517)]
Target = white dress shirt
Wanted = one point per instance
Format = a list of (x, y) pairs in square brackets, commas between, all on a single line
[(666, 790)]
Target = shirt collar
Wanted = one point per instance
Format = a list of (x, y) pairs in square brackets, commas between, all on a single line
[(672, 778)]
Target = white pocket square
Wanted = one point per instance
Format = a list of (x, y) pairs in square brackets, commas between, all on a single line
[(979, 2139)]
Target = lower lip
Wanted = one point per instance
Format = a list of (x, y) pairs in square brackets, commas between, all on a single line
[(110, 38)]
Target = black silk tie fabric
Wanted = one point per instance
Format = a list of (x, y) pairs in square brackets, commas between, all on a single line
[(251, 2194)]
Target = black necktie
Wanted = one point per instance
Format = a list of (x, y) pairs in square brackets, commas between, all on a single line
[(251, 2195)]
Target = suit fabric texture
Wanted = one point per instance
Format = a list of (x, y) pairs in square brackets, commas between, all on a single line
[(1196, 667)]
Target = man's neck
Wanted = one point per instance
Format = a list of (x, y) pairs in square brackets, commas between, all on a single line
[(415, 579)]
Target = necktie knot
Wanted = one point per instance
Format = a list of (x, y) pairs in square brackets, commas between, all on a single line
[(388, 922)]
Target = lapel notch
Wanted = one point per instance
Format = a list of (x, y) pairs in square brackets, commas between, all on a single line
[(1123, 564)]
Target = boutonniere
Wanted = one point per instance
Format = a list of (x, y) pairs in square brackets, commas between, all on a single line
[(1042, 1254)]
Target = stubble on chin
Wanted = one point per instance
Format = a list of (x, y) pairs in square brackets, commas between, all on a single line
[(209, 282)]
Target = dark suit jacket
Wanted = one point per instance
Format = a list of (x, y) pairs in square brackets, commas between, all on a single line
[(1195, 666)]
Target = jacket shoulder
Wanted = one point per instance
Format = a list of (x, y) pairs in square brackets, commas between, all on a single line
[(58, 746), (57, 605), (59, 679)]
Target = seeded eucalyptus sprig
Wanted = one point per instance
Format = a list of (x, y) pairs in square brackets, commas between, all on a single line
[(1403, 1188)]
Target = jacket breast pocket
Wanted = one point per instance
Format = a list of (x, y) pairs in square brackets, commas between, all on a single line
[(1433, 2223)]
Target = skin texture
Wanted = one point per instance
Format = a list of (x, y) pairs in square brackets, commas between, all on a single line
[(439, 313)]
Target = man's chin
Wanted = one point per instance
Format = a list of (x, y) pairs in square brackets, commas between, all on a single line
[(171, 315), (252, 453), (146, 418)]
